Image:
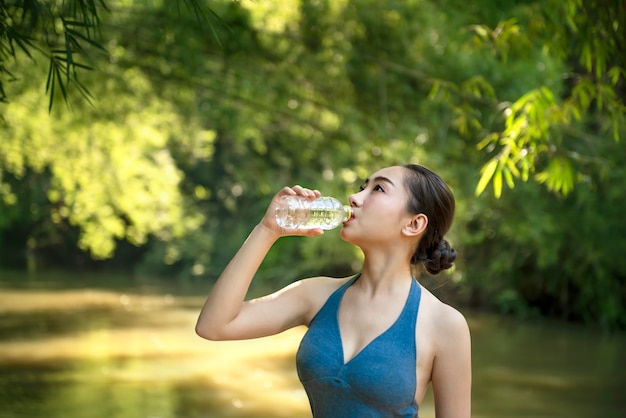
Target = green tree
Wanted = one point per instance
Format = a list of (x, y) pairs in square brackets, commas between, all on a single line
[(548, 132), (111, 175), (192, 132), (66, 34)]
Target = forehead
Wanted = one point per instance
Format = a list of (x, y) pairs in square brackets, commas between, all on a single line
[(394, 173)]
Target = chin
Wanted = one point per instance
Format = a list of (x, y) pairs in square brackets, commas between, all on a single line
[(347, 237)]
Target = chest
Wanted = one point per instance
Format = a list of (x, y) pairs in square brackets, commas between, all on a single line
[(360, 321), (361, 354)]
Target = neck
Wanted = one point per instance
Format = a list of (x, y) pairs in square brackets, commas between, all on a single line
[(384, 274)]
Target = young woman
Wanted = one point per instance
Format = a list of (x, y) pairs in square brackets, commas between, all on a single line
[(375, 341)]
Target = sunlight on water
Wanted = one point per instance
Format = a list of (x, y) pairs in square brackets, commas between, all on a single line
[(156, 343), (131, 352)]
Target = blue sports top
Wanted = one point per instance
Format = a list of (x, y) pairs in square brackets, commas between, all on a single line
[(378, 382)]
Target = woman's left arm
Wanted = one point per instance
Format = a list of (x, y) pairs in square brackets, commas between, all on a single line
[(452, 367)]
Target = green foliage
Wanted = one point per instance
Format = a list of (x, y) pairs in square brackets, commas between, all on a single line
[(65, 33), (531, 254), (62, 32), (198, 119), (111, 174), (538, 126)]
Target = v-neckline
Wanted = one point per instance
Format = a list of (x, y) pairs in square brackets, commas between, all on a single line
[(345, 363)]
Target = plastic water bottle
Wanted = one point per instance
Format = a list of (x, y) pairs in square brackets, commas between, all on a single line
[(299, 212)]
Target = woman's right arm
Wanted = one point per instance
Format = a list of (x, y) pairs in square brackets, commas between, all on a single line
[(226, 315)]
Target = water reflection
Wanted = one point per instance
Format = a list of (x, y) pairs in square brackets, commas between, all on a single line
[(126, 348), (132, 352), (547, 370)]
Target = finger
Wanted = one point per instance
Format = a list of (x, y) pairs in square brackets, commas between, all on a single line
[(287, 191), (305, 192), (301, 191)]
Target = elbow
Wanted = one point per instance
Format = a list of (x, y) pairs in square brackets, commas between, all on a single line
[(202, 333), (208, 332)]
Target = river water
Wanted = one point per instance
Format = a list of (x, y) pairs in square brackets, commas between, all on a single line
[(120, 347)]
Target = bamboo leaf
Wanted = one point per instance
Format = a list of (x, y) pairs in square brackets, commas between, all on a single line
[(508, 177), (59, 71), (489, 139), (434, 90), (614, 74), (24, 44), (87, 39), (512, 168), (497, 182), (558, 177), (486, 175), (50, 83)]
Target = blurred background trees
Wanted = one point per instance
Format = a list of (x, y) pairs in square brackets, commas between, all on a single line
[(161, 157)]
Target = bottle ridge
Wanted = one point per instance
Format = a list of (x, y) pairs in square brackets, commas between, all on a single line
[(296, 212)]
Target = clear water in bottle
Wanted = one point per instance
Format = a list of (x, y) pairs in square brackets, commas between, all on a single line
[(299, 212)]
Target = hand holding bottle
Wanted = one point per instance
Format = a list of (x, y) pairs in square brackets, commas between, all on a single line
[(269, 220)]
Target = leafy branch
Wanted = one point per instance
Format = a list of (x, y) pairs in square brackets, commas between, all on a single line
[(536, 125), (64, 33)]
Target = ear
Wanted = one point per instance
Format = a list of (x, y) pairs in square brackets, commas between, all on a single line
[(416, 225)]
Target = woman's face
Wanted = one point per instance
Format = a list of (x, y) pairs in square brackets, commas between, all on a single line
[(379, 208)]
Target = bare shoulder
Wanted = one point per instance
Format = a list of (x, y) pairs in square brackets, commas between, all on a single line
[(319, 286), (450, 324), (317, 290)]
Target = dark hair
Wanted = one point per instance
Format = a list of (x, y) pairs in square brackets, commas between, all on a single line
[(430, 195)]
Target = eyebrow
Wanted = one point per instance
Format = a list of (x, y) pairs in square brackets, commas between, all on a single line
[(381, 178)]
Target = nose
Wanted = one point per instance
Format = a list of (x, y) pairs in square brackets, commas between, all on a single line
[(354, 200)]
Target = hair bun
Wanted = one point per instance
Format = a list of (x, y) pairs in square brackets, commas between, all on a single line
[(441, 258)]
